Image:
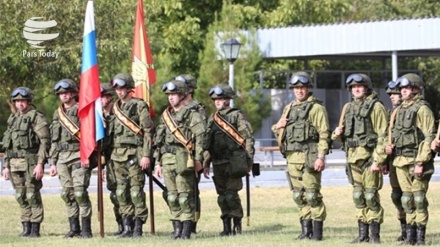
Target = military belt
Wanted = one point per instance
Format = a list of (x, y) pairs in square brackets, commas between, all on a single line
[(168, 149), (21, 153), (68, 147), (405, 152), (123, 145), (352, 143)]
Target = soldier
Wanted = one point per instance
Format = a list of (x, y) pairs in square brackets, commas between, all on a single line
[(132, 130), (179, 138), (412, 133), (303, 131), (107, 93), (396, 192), (26, 142), (362, 131), (65, 161), (191, 82), (231, 150)]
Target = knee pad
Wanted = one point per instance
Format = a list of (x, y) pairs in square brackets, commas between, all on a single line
[(113, 198), (172, 200), (137, 196), (408, 202), (232, 199), (121, 194), (358, 197), (66, 195), (31, 197), (313, 198), (396, 194), (371, 199), (184, 203), (221, 201), (420, 201), (298, 197), (81, 196), (20, 196)]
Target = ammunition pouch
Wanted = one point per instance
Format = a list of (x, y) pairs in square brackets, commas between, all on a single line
[(406, 152), (68, 147), (256, 169)]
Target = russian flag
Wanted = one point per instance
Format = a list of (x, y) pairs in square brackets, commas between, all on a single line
[(90, 107)]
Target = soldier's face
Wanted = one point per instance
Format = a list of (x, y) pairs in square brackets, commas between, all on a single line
[(301, 93), (21, 105), (222, 103), (122, 92), (358, 91), (66, 97), (407, 93), (395, 99), (105, 100), (175, 99)]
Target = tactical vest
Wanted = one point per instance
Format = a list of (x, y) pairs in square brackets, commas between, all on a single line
[(60, 135), (406, 135), (358, 128), (299, 130), (19, 135), (123, 136), (221, 145)]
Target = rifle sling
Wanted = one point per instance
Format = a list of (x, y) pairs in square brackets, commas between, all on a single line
[(67, 123), (390, 128), (226, 127), (126, 121), (173, 129), (282, 131)]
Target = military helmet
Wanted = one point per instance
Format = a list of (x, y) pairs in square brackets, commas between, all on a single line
[(188, 79), (410, 79), (124, 80), (359, 79), (175, 86), (22, 93), (65, 85), (221, 91), (300, 79), (106, 89), (392, 88)]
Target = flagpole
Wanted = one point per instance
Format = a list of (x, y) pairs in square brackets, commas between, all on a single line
[(100, 197)]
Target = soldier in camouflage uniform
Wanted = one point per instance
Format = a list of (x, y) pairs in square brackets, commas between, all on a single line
[(363, 133), (393, 91), (26, 145), (304, 143), (412, 134), (180, 154), (107, 93), (65, 161), (191, 103), (226, 155), (131, 154)]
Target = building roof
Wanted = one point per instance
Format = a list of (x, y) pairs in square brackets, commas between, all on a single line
[(409, 37)]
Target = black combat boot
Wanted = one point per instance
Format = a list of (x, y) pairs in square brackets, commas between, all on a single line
[(128, 230), (402, 236), (237, 226), (178, 227), (411, 234), (187, 227), (317, 230), (26, 229), (86, 227), (137, 230), (226, 226), (421, 230), (75, 229), (120, 227), (363, 233), (375, 233), (35, 230), (306, 229)]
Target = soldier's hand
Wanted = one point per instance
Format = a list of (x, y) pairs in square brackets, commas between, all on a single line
[(374, 167), (197, 167), (385, 170), (158, 171), (281, 123), (6, 174), (435, 144), (103, 175), (53, 170), (319, 165), (338, 131), (38, 172), (418, 169), (389, 149), (206, 172), (145, 163), (85, 165)]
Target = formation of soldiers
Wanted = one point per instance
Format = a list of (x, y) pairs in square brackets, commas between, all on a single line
[(399, 142), (184, 145)]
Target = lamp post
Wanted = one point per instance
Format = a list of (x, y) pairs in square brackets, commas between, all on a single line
[(231, 48)]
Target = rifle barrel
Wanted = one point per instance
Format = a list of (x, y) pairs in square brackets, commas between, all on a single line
[(248, 200)]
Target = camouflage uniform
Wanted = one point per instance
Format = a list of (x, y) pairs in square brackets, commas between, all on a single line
[(365, 125), (26, 142), (74, 179), (177, 163), (412, 148), (224, 153), (306, 139)]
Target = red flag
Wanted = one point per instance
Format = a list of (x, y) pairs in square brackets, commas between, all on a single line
[(142, 65)]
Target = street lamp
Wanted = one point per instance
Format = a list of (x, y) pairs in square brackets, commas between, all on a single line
[(231, 48)]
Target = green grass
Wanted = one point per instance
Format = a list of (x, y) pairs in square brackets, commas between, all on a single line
[(274, 222)]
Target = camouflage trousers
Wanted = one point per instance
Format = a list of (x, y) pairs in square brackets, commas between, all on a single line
[(227, 189), (112, 186), (27, 194), (180, 193), (307, 192), (75, 181), (396, 193)]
